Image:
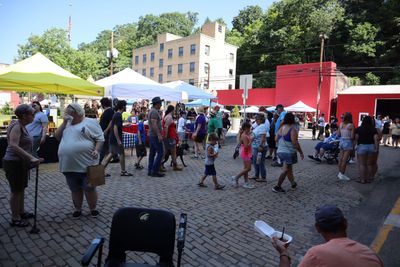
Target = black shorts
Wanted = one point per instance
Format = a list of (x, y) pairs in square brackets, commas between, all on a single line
[(141, 150), (219, 132), (200, 138), (271, 142), (210, 170), (16, 174)]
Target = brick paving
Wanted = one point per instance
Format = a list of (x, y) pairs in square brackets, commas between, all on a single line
[(220, 223)]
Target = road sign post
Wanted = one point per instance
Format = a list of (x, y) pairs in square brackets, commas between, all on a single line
[(246, 82)]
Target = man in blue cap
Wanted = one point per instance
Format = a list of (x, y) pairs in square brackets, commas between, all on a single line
[(339, 250)]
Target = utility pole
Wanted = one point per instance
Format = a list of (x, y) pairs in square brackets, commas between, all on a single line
[(69, 25), (111, 53), (322, 37)]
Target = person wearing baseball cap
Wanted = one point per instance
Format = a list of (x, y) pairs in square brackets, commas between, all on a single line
[(339, 250), (156, 138)]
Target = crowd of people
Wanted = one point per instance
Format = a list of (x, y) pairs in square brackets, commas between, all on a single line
[(87, 141)]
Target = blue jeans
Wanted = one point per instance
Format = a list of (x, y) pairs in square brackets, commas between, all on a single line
[(155, 147), (259, 168)]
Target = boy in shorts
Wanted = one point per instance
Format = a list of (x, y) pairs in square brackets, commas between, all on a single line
[(211, 155)]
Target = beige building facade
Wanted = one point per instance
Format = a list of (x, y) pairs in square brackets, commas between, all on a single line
[(203, 59)]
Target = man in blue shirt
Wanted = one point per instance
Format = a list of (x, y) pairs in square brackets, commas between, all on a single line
[(281, 113)]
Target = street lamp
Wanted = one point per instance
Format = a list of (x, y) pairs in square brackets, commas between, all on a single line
[(322, 37), (112, 53)]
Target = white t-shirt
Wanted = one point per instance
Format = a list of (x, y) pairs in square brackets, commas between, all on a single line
[(77, 143), (35, 128), (321, 122), (181, 125)]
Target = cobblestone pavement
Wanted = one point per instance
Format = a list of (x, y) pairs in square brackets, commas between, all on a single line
[(220, 223)]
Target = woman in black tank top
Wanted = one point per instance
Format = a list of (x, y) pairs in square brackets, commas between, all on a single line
[(16, 163)]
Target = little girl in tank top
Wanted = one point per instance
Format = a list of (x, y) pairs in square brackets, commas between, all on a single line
[(245, 153)]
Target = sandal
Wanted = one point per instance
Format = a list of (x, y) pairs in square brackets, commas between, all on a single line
[(19, 223), (201, 185), (125, 173), (219, 187), (26, 215)]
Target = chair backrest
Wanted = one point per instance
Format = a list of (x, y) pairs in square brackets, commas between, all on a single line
[(146, 230)]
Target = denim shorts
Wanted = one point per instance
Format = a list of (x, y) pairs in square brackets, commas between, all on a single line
[(346, 144), (288, 158), (363, 149), (78, 181)]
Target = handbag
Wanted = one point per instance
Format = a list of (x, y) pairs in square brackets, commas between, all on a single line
[(96, 175)]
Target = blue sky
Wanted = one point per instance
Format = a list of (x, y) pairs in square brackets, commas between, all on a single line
[(20, 19)]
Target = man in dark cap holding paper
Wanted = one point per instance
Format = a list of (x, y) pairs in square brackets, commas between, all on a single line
[(339, 250), (156, 138)]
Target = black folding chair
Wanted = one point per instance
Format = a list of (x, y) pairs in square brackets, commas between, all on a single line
[(140, 229)]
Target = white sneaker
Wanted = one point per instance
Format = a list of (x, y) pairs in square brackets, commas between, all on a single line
[(234, 182), (351, 161), (343, 177), (248, 185)]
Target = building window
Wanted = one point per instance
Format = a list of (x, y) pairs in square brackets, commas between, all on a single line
[(144, 58), (230, 86), (220, 28), (161, 47), (232, 57), (206, 67), (170, 53), (144, 72), (151, 72), (191, 81), (230, 72), (160, 78), (169, 70), (192, 67), (181, 51), (180, 68), (161, 63), (193, 49), (136, 60), (152, 56), (207, 50)]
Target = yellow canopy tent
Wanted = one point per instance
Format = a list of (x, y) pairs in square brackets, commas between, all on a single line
[(39, 74)]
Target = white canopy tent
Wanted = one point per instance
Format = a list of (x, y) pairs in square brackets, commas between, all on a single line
[(252, 109), (131, 85), (201, 103), (192, 92), (300, 107)]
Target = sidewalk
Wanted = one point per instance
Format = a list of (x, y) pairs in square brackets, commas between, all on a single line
[(220, 223)]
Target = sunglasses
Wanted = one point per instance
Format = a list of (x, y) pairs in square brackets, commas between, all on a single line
[(71, 107)]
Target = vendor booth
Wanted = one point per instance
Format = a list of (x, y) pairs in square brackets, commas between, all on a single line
[(191, 91), (129, 84), (39, 74)]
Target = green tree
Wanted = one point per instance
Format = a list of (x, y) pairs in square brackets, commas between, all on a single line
[(53, 44), (371, 79), (176, 23), (246, 16)]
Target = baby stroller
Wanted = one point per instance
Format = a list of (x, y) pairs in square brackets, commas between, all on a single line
[(332, 154)]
